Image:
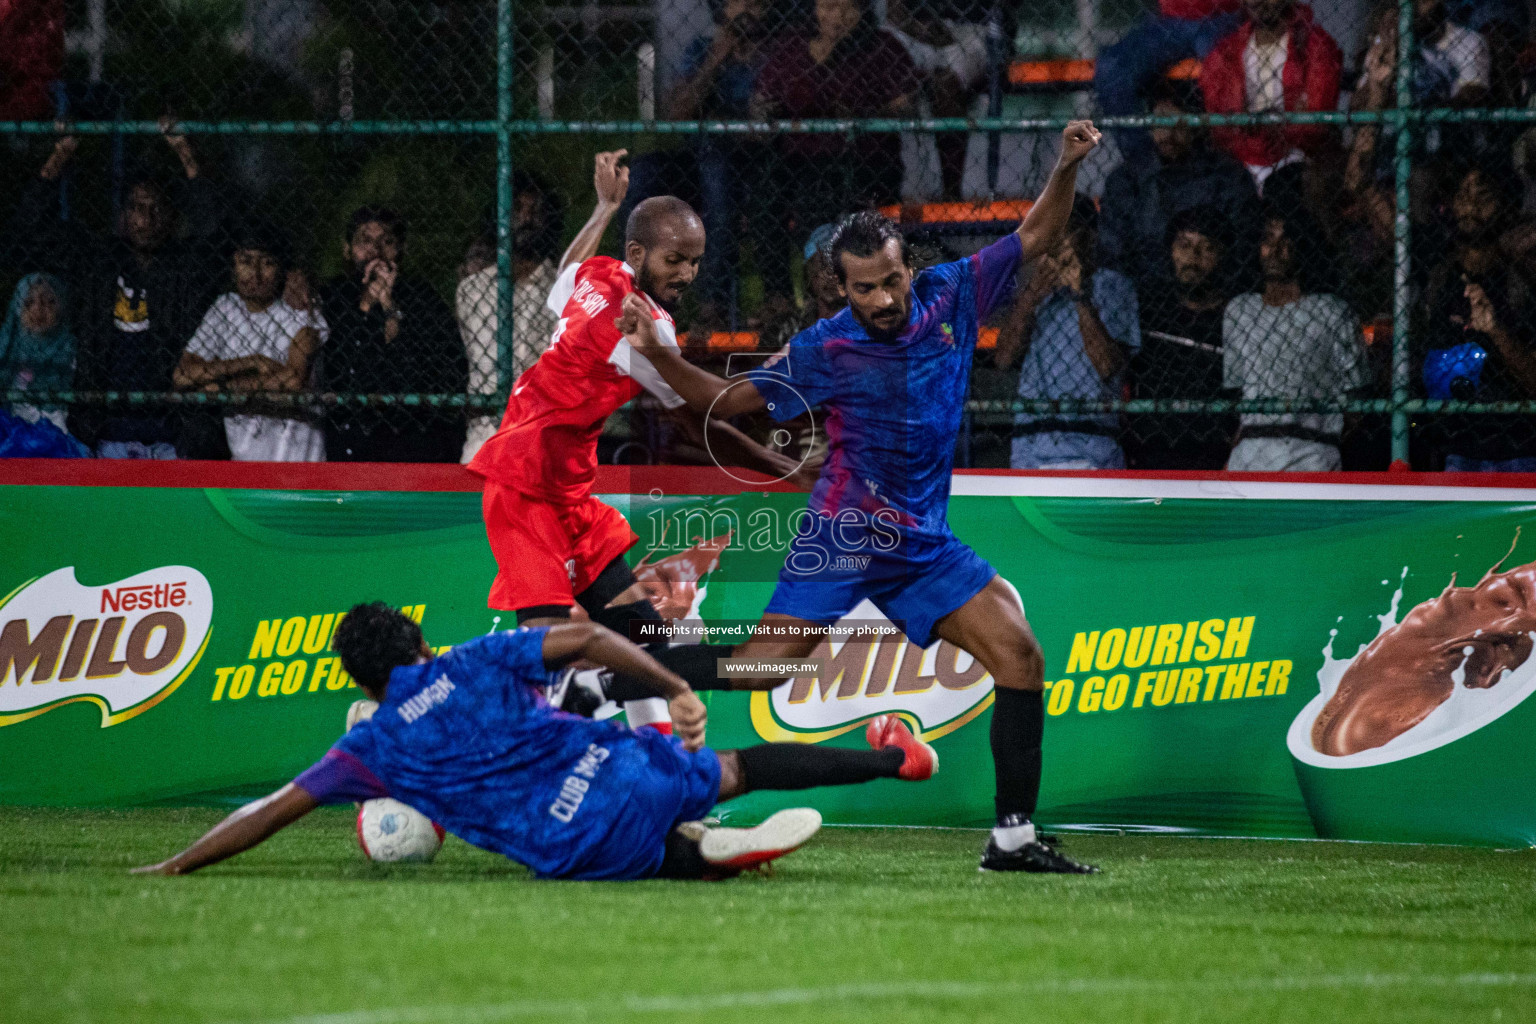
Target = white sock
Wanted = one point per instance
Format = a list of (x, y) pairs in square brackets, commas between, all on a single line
[(652, 712), (1014, 836)]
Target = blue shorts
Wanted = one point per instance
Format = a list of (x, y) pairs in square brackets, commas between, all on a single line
[(674, 786), (914, 586)]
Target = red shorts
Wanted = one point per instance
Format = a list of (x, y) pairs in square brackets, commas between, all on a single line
[(547, 553)]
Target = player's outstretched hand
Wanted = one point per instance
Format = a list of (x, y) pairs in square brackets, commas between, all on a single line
[(163, 868), (635, 323), (688, 716), (1078, 140), (609, 179)]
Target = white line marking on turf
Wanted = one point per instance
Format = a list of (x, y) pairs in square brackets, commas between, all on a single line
[(610, 1006)]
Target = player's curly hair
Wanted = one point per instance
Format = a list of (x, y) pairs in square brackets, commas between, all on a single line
[(863, 234), (374, 640)]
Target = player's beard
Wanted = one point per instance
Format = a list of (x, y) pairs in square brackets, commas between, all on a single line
[(647, 284), (879, 333)]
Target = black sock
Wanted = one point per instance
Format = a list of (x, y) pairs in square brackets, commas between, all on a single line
[(682, 858), (802, 766), (1018, 724), (696, 663), (618, 618)]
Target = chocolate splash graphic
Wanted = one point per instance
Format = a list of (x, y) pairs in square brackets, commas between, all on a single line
[(672, 584), (1409, 670)]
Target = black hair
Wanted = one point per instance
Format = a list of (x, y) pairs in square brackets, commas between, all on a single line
[(1203, 219), (1183, 95), (262, 236), (141, 178), (646, 219), (1500, 178), (1311, 256), (863, 234), (374, 640), (371, 214)]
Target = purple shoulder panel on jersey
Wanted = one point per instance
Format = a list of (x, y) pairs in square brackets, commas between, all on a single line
[(997, 269), (338, 778)]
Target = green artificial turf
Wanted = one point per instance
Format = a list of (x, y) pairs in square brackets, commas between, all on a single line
[(869, 924)]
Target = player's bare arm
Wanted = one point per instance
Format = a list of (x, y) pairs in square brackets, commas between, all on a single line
[(610, 180), (251, 825), (731, 447), (1043, 226), (602, 646), (702, 390)]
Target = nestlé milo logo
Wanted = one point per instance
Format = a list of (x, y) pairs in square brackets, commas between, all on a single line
[(940, 688), (123, 646)]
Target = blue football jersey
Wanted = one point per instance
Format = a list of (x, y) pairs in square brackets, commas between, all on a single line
[(468, 740), (892, 408)]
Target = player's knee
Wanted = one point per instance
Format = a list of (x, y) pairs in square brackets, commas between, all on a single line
[(1025, 661)]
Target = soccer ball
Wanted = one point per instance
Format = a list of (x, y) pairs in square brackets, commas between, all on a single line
[(390, 832)]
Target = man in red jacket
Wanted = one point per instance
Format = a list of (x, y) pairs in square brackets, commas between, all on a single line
[(1276, 60), (1127, 68)]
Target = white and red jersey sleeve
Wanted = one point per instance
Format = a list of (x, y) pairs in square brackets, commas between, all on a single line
[(587, 298), (547, 444)]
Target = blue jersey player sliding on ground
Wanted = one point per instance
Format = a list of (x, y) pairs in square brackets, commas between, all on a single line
[(891, 373), (468, 740)]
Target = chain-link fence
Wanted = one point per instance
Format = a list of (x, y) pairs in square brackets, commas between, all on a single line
[(295, 229)]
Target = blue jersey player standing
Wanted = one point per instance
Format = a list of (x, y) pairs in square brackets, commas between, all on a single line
[(891, 373), (469, 740)]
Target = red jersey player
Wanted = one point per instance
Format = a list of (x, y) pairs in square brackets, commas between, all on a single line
[(555, 544)]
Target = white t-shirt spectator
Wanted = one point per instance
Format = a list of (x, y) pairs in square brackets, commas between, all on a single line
[(1458, 60), (533, 328), (231, 331), (1311, 348)]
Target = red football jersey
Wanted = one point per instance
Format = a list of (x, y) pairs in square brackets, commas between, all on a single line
[(547, 445)]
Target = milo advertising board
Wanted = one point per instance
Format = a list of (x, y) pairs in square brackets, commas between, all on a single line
[(1335, 660)]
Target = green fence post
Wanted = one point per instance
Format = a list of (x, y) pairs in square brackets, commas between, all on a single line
[(1402, 230), (505, 371)]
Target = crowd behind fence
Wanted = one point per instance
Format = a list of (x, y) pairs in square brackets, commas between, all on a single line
[(326, 229)]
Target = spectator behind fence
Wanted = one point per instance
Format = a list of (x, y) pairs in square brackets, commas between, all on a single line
[(31, 57), (138, 295), (821, 285), (390, 334), (1143, 196), (1127, 70), (1276, 60), (1180, 353), (534, 274), (1291, 341), (1451, 69), (1505, 26), (1477, 339), (717, 78), (536, 226), (254, 339), (1078, 327), (37, 348), (947, 41), (845, 67)]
